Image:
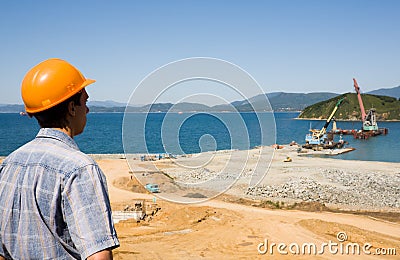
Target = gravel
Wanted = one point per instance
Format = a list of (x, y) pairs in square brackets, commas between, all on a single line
[(355, 188)]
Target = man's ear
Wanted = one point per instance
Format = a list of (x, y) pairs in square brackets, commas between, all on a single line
[(71, 108)]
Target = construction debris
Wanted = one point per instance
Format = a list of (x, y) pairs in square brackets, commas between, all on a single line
[(139, 211)]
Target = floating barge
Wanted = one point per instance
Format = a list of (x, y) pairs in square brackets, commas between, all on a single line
[(360, 134)]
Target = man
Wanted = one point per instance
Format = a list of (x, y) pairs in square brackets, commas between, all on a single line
[(54, 201)]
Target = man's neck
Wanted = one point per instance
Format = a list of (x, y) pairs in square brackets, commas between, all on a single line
[(66, 130)]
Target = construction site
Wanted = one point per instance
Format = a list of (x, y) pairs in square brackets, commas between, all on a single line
[(320, 139)]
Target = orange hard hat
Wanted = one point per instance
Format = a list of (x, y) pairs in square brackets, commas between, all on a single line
[(49, 83)]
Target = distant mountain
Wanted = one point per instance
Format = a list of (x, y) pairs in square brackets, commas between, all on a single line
[(223, 108), (274, 94), (189, 107), (391, 92), (279, 101), (11, 108), (297, 101), (107, 103), (158, 107), (100, 109), (387, 108), (169, 107)]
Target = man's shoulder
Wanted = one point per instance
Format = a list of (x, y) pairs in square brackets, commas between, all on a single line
[(56, 156), (69, 160), (77, 157)]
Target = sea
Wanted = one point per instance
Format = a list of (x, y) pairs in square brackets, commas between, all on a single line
[(187, 133)]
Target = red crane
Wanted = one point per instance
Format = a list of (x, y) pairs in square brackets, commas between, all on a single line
[(363, 114), (369, 120)]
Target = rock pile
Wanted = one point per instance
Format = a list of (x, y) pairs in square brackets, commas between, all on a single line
[(201, 175), (356, 188)]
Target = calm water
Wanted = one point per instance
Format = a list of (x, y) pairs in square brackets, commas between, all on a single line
[(191, 133)]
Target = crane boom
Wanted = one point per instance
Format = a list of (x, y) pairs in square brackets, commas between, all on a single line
[(321, 132), (357, 88)]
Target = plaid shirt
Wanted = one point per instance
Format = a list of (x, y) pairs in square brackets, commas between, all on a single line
[(53, 201)]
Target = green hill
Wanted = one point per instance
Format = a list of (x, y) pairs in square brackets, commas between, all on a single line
[(387, 108)]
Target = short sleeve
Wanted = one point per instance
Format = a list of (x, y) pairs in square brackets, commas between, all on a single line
[(1, 246), (87, 211)]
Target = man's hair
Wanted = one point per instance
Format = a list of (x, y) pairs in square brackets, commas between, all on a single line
[(56, 117)]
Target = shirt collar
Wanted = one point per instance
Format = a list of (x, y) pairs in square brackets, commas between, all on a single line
[(58, 135)]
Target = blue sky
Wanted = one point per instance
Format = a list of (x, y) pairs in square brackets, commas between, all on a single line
[(290, 46)]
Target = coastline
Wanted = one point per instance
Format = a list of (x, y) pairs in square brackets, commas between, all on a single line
[(337, 183), (344, 120), (211, 111), (351, 184)]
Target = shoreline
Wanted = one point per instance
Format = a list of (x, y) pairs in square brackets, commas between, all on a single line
[(352, 184), (241, 112), (102, 156), (345, 120), (338, 183)]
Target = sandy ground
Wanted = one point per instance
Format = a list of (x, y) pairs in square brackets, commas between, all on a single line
[(226, 227)]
